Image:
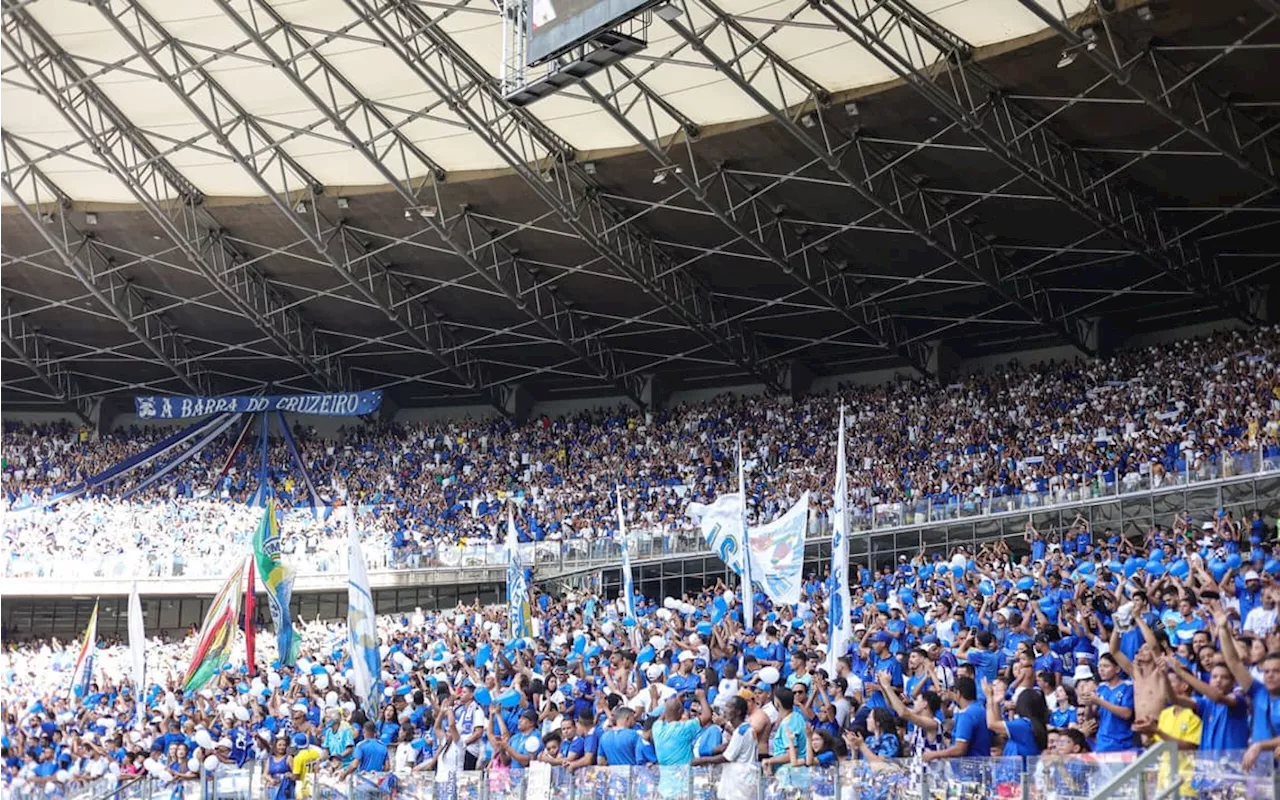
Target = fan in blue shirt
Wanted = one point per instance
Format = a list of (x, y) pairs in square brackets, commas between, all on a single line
[(1114, 699), (971, 736), (621, 745)]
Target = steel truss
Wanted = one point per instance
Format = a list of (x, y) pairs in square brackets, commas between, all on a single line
[(876, 176), (491, 259), (939, 66), (171, 201), (29, 345), (93, 266), (1173, 92), (545, 162), (253, 149), (747, 215)]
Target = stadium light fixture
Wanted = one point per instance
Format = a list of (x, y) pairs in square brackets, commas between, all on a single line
[(667, 12), (1068, 58), (343, 203), (660, 174), (808, 121), (90, 218), (300, 208), (851, 109), (1145, 13), (425, 212)]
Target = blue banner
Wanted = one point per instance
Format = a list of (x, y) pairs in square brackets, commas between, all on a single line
[(344, 404)]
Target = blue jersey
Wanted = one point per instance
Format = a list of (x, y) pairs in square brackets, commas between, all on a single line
[(1114, 733)]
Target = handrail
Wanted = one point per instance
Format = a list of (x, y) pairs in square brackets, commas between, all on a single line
[(122, 786), (1139, 767)]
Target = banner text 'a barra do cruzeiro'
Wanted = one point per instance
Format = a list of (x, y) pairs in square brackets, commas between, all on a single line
[(343, 404)]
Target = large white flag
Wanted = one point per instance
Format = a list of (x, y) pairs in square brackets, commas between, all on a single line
[(777, 554), (137, 651), (838, 602), (628, 581), (362, 632), (777, 549)]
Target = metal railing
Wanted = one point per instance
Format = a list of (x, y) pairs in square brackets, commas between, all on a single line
[(558, 557), (1159, 773)]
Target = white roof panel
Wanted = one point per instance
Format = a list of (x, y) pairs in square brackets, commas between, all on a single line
[(685, 79)]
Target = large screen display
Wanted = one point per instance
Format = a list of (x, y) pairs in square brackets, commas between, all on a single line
[(557, 25)]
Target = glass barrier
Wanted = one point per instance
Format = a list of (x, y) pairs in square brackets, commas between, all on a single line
[(1195, 776), (326, 554)]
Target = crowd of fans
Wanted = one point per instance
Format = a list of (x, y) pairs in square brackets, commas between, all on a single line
[(1030, 435), (1077, 642), (1089, 644)]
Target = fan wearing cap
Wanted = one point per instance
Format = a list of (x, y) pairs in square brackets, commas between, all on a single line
[(522, 746), (1247, 589), (875, 649), (652, 698)]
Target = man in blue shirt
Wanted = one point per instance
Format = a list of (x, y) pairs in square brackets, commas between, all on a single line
[(971, 737), (673, 736), (370, 755), (621, 744), (881, 660)]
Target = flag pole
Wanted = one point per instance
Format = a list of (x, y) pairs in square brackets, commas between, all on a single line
[(748, 599)]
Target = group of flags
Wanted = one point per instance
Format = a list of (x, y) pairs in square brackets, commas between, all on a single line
[(771, 556)]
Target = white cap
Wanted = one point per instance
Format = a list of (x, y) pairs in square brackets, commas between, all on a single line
[(224, 742), (859, 627), (1022, 596), (685, 655), (654, 672), (1208, 526), (1082, 673), (1252, 575)]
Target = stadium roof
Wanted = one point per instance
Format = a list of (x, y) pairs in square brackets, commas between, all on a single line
[(216, 195)]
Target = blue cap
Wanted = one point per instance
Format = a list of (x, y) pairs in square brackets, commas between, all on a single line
[(882, 636), (299, 740)]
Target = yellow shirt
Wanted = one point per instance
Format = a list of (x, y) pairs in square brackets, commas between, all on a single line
[(1178, 724), (304, 768)]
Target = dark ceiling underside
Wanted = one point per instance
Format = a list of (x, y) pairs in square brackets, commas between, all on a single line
[(75, 344)]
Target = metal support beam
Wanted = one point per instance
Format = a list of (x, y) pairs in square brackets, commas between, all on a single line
[(1169, 91), (259, 155), (545, 163), (877, 179), (29, 346), (939, 66), (745, 215), (173, 203), (326, 88), (82, 254)]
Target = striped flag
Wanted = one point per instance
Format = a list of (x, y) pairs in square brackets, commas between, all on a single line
[(277, 579), (82, 672), (839, 626), (217, 634)]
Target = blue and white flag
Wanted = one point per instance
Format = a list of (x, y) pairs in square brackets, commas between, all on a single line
[(342, 404), (839, 625), (777, 554), (628, 586), (777, 549), (519, 608), (362, 632)]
